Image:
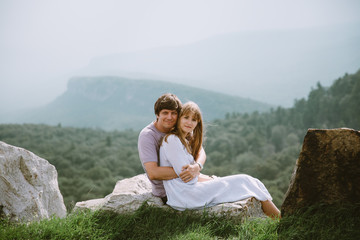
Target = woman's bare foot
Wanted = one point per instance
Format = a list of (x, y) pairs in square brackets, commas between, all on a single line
[(270, 209)]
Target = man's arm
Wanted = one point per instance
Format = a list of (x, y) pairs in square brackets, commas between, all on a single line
[(155, 172)]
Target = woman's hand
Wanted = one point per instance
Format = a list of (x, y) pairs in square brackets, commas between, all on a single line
[(188, 172)]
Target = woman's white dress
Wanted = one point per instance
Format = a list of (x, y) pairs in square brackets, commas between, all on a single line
[(197, 195)]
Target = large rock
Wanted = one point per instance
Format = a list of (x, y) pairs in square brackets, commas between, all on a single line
[(129, 194), (327, 171), (28, 186)]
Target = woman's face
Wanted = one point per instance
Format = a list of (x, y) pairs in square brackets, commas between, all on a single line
[(188, 123)]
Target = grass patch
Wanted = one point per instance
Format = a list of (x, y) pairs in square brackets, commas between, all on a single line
[(336, 221), (145, 223), (316, 222), (75, 226)]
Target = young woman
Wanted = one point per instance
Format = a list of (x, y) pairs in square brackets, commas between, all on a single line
[(180, 147)]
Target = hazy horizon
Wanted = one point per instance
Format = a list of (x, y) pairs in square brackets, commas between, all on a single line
[(43, 43)]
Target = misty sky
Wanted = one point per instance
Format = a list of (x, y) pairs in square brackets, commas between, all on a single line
[(43, 41)]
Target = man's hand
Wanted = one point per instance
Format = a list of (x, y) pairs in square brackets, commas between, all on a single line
[(188, 172)]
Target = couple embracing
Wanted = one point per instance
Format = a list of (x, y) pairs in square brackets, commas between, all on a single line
[(172, 155)]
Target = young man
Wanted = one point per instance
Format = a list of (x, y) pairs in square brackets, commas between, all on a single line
[(167, 109)]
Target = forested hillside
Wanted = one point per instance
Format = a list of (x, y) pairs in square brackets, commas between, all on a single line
[(264, 145), (89, 162), (267, 145)]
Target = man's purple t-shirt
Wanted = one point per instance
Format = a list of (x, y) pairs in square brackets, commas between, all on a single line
[(148, 146)]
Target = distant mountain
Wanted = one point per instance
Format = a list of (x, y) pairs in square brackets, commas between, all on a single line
[(275, 66), (119, 103)]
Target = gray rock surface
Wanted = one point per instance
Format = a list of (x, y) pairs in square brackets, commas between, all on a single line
[(129, 194), (28, 186), (327, 170)]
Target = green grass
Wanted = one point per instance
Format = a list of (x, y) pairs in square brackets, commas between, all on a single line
[(319, 222), (336, 221), (146, 223)]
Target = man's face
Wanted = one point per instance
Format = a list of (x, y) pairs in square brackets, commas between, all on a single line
[(166, 120)]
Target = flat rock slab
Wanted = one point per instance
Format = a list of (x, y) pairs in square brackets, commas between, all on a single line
[(130, 194)]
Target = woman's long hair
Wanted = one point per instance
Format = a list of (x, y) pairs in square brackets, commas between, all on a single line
[(192, 141)]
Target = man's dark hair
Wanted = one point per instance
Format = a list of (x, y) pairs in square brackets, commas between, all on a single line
[(167, 101)]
